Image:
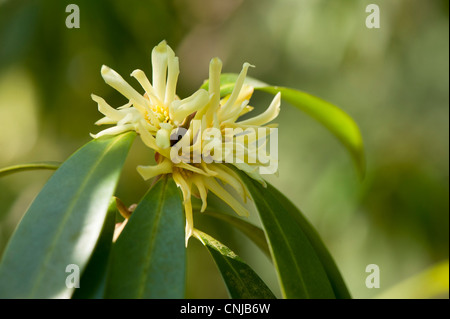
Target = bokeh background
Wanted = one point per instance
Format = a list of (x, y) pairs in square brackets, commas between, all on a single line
[(393, 81)]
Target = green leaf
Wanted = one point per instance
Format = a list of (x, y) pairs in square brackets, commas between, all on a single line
[(242, 282), (29, 166), (298, 254), (92, 282), (253, 232), (333, 118), (63, 223), (337, 282), (148, 259)]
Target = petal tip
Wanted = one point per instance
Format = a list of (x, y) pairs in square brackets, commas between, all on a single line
[(105, 69)]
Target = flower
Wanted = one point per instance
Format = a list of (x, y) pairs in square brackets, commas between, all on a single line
[(203, 126)]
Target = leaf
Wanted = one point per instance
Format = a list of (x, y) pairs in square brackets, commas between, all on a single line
[(93, 279), (148, 259), (337, 282), (63, 223), (299, 263), (242, 282), (253, 232), (29, 166), (333, 118)]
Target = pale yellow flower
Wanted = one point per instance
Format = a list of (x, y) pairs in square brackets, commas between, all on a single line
[(210, 131)]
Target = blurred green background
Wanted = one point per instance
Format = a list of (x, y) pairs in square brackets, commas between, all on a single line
[(393, 81)]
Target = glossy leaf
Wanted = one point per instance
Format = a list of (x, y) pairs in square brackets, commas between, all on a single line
[(300, 270), (333, 118), (241, 281), (254, 233), (63, 223), (93, 279), (337, 282), (148, 259)]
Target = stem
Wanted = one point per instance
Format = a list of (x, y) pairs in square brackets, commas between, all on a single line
[(28, 167)]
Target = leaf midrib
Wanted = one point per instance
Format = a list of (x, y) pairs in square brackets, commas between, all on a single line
[(235, 272), (153, 234), (72, 205), (262, 198)]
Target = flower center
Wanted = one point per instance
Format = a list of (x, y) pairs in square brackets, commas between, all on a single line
[(160, 111)]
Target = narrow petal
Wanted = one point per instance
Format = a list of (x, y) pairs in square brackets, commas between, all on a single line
[(207, 170), (245, 94), (140, 76), (115, 130), (216, 123), (181, 109), (272, 112), (247, 109), (126, 106), (159, 65), (191, 168), (215, 146), (114, 79), (189, 221), (235, 113), (201, 114), (105, 120), (106, 109), (146, 136), (236, 90), (183, 184), (126, 119), (198, 181), (228, 176), (238, 107), (147, 172), (215, 187), (131, 115), (215, 68), (172, 77)]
